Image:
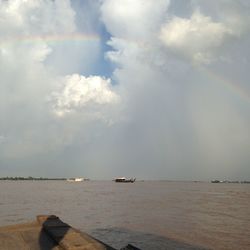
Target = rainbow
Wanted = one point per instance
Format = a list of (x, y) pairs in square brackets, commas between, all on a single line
[(50, 38), (232, 87)]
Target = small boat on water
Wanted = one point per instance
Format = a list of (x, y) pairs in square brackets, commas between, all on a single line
[(125, 180), (75, 179)]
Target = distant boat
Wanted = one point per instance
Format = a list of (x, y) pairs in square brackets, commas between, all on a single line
[(216, 181), (123, 179), (75, 179)]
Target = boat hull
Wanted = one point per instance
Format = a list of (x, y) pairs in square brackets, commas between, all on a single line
[(125, 180)]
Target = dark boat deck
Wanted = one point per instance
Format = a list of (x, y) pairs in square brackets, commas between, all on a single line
[(47, 233)]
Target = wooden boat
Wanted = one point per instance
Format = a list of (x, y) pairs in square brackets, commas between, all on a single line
[(124, 180), (49, 232)]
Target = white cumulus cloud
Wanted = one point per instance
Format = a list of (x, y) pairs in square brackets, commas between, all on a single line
[(79, 91), (195, 37), (133, 19)]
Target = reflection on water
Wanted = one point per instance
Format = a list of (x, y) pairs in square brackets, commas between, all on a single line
[(150, 215)]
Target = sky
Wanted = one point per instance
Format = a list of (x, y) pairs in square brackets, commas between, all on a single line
[(155, 89)]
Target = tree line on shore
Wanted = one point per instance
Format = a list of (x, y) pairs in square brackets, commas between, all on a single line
[(30, 178)]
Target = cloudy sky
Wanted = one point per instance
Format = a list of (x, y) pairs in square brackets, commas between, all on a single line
[(156, 89)]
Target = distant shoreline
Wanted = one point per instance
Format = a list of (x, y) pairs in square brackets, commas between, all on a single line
[(31, 179)]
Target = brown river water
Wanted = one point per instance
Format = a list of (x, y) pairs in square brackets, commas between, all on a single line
[(151, 215)]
